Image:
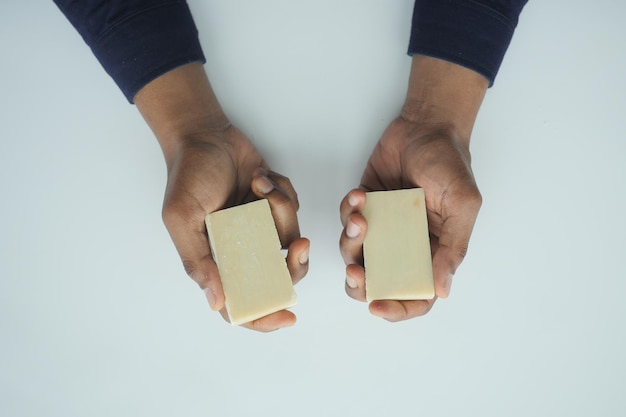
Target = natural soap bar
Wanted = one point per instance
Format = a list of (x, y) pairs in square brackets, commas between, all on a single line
[(246, 248), (396, 248)]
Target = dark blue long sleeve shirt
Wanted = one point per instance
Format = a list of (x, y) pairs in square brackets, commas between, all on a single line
[(472, 33), (136, 41)]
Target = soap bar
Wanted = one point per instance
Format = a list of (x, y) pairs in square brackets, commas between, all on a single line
[(396, 248), (246, 248)]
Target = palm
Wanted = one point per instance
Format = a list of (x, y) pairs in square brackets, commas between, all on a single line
[(213, 174), (405, 158)]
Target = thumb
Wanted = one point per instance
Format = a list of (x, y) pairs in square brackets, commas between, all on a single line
[(190, 238)]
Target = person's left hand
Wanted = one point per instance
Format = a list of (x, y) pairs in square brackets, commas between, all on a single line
[(217, 170), (427, 146), (409, 156), (211, 165)]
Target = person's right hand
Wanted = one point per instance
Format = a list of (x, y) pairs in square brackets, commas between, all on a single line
[(211, 165)]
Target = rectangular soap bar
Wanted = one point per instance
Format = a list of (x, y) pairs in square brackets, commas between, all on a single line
[(396, 248), (247, 250)]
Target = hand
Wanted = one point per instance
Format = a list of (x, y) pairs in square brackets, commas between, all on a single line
[(212, 165), (427, 147), (407, 158), (219, 171)]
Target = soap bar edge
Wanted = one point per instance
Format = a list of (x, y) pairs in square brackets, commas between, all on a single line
[(426, 292), (215, 253)]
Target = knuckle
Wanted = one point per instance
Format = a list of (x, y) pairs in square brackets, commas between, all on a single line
[(470, 190), (345, 254), (190, 267), (294, 201), (195, 273), (469, 193), (427, 308), (418, 310), (168, 213), (475, 198), (285, 185), (282, 205), (173, 213), (459, 253)]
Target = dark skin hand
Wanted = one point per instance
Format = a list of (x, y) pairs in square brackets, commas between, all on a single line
[(427, 146), (211, 165)]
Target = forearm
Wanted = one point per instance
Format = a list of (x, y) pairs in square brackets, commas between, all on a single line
[(443, 97), (136, 41), (179, 105), (474, 34), (458, 47)]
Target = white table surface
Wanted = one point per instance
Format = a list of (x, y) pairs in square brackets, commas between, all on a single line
[(97, 317)]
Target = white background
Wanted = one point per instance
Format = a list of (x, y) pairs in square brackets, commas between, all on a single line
[(97, 317)]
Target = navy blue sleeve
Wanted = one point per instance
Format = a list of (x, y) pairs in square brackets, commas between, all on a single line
[(471, 33), (136, 41)]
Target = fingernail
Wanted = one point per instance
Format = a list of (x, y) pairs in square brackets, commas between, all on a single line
[(210, 297), (264, 184), (352, 230), (448, 285), (304, 257), (353, 200), (351, 282)]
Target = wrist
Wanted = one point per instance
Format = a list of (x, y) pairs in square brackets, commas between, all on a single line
[(180, 107), (443, 97)]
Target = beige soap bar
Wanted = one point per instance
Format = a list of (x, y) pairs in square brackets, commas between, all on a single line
[(396, 249), (246, 248)]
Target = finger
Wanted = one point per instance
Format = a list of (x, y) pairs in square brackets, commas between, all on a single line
[(283, 207), (353, 202), (269, 323), (351, 240), (454, 237), (279, 181), (188, 232), (396, 310), (272, 322), (298, 259), (355, 282), (285, 185)]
